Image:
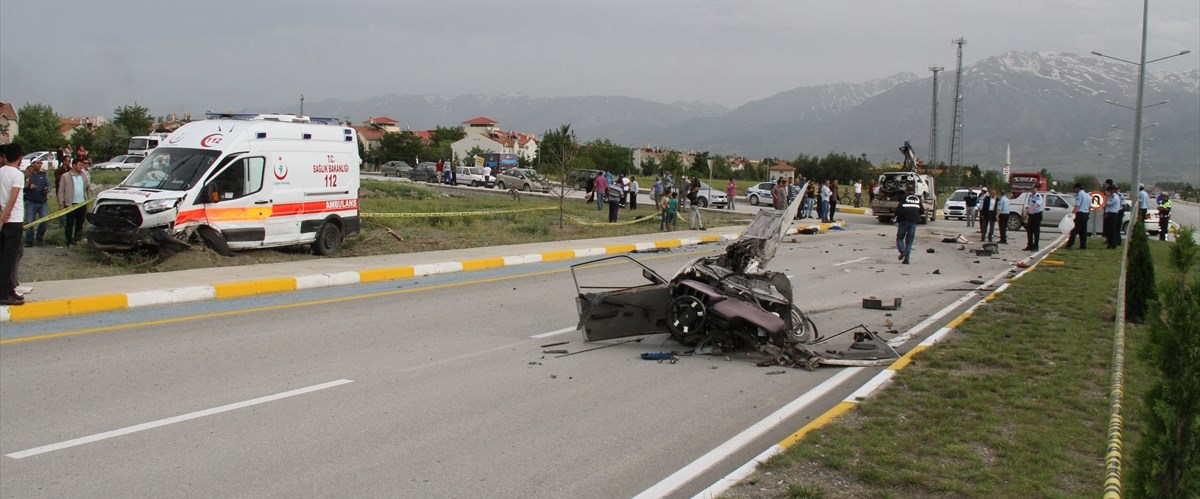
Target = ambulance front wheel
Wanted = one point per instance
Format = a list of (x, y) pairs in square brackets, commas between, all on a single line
[(215, 241), (329, 239)]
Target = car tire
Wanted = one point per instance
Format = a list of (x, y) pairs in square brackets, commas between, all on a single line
[(1014, 222), (213, 240), (754, 199), (527, 188), (329, 239), (500, 185), (703, 202)]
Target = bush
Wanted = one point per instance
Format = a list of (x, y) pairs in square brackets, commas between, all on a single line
[(1139, 279)]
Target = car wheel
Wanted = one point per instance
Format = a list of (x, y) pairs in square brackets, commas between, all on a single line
[(754, 200), (526, 188), (1014, 222), (213, 240), (686, 317), (329, 239), (500, 185), (703, 202)]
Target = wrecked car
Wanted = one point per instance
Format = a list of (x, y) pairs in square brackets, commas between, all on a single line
[(715, 304)]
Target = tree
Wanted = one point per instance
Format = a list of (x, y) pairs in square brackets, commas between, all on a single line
[(134, 119), (672, 163), (403, 146), (39, 129), (1139, 286), (700, 165), (650, 167), (109, 140), (85, 137), (611, 157), (559, 151), (1168, 460)]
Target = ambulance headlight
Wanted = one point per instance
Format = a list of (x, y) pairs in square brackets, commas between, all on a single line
[(159, 205)]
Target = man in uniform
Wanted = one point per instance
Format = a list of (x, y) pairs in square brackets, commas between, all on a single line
[(907, 216), (1001, 206), (1112, 217), (1164, 217), (986, 216), (1083, 205), (1033, 220)]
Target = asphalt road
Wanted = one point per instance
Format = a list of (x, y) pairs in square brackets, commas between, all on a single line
[(433, 387)]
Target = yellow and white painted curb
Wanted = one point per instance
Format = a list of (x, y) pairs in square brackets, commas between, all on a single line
[(37, 310)]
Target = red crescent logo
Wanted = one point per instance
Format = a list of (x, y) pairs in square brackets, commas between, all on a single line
[(280, 170), (211, 140)]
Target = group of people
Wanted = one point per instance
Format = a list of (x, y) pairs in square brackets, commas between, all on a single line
[(25, 197), (993, 210), (821, 195)]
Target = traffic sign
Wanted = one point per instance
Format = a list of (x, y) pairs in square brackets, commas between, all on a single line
[(1098, 200)]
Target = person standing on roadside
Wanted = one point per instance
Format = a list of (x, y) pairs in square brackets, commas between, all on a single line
[(778, 194), (907, 215), (656, 190), (871, 191), (600, 187), (1112, 217), (613, 193), (1164, 217), (633, 192), (833, 199), (1001, 209), (12, 215), (1143, 201), (75, 188), (37, 202), (694, 204), (1033, 220), (858, 193), (826, 193), (668, 183), (986, 216), (730, 194), (970, 200), (1083, 206)]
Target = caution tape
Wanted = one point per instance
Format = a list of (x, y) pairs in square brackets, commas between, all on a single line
[(59, 213), (435, 214), (651, 216)]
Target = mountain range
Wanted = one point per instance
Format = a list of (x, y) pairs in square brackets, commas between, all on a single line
[(1048, 108)]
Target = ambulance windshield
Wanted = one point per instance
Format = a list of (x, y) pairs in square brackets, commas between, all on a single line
[(171, 169)]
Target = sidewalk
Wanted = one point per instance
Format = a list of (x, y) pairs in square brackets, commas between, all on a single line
[(51, 299)]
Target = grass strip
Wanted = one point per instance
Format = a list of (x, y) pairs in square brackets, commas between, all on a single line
[(1013, 404)]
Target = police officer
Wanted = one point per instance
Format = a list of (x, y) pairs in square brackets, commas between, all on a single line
[(1083, 205), (1112, 217), (907, 215), (1164, 218), (1001, 208), (1033, 220), (986, 216)]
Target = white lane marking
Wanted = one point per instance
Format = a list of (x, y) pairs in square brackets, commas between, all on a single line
[(552, 333), (703, 463), (852, 261), (177, 419)]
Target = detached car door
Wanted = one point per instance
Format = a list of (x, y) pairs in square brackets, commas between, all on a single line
[(618, 297)]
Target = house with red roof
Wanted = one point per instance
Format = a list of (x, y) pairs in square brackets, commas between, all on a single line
[(8, 122), (781, 170), (485, 134)]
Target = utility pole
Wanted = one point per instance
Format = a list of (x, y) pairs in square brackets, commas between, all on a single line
[(933, 125), (956, 128)]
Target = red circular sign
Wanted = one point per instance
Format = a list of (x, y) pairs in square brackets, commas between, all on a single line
[(211, 140)]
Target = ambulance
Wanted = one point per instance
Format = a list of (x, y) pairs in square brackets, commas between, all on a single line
[(237, 181)]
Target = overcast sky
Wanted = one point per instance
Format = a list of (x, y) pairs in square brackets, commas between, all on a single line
[(88, 57)]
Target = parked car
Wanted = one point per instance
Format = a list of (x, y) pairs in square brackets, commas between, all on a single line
[(955, 207), (582, 179), (760, 193), (1151, 223), (124, 162), (48, 158), (423, 172), (711, 197), (1058, 205), (395, 168), (474, 177), (525, 179)]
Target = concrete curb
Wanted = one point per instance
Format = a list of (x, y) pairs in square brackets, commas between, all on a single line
[(49, 309)]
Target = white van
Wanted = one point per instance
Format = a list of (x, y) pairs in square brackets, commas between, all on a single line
[(141, 145), (237, 181)]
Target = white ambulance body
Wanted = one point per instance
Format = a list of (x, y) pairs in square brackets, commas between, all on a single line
[(237, 182)]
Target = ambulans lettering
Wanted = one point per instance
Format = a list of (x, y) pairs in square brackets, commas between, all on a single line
[(341, 204)]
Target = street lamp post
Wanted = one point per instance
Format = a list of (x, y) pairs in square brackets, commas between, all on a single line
[(1112, 482)]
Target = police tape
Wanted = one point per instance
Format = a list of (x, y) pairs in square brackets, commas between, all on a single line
[(610, 224), (434, 214), (59, 213)]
